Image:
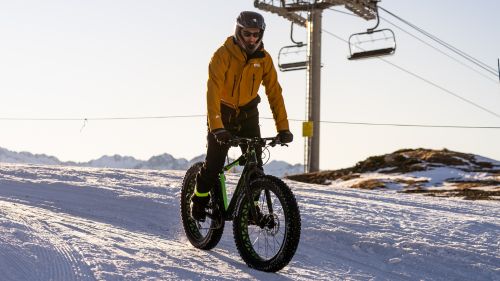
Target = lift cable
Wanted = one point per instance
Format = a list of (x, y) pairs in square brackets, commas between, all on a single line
[(446, 45), (424, 79), (426, 43)]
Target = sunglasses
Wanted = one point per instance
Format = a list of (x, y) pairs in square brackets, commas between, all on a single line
[(248, 34)]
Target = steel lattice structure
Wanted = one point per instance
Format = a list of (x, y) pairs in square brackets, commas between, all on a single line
[(289, 9), (292, 10)]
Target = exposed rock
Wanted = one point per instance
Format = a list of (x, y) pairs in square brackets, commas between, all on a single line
[(369, 184), (402, 161)]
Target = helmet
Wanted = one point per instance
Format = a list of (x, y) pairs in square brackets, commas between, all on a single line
[(248, 19)]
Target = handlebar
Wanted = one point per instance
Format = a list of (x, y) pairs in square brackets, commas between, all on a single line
[(271, 141)]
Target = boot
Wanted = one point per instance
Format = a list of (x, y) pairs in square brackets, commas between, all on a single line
[(198, 206)]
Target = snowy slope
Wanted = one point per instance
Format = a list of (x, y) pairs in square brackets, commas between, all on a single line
[(66, 223)]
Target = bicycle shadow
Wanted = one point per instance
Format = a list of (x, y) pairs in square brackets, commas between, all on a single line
[(260, 275)]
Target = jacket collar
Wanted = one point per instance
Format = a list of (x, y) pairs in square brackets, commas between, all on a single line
[(236, 51)]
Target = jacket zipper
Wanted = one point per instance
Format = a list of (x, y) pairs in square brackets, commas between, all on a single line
[(238, 97), (253, 82), (234, 84)]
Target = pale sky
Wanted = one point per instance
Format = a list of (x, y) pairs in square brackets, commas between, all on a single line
[(92, 59)]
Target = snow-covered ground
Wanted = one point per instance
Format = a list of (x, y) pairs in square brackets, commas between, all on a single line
[(67, 223)]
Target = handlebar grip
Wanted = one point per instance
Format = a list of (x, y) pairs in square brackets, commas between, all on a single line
[(233, 142)]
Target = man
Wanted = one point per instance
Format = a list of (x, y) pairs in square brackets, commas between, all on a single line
[(236, 71)]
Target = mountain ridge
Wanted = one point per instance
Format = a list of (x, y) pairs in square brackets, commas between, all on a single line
[(164, 161)]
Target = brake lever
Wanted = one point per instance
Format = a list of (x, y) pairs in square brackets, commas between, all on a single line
[(277, 141), (233, 142), (273, 143)]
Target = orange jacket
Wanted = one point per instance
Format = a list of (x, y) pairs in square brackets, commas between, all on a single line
[(234, 81)]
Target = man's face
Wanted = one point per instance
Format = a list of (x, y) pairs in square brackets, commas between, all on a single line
[(250, 35)]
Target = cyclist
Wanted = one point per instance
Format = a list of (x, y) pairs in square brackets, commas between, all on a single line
[(235, 73)]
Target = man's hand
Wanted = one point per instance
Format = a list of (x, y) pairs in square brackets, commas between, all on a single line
[(285, 136), (222, 135)]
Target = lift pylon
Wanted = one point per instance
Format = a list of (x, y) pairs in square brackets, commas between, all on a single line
[(291, 10)]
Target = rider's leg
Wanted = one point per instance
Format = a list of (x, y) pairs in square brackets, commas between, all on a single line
[(208, 176), (251, 128), (214, 162)]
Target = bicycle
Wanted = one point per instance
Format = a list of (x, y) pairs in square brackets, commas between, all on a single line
[(264, 211)]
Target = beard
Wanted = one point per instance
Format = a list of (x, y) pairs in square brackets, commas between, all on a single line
[(248, 48)]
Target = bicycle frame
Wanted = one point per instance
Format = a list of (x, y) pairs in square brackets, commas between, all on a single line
[(249, 169)]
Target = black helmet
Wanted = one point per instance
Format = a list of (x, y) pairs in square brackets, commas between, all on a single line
[(248, 19)]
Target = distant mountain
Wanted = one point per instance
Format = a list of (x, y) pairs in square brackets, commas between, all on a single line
[(115, 161), (282, 168), (159, 162), (8, 156), (165, 161)]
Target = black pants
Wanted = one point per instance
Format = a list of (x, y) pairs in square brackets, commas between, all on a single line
[(216, 153)]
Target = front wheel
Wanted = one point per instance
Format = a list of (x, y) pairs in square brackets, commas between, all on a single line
[(203, 235), (269, 242)]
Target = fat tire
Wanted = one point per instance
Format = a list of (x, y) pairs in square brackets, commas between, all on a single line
[(292, 226), (213, 236)]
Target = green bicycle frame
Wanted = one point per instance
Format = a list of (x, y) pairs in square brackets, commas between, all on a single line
[(229, 207), (222, 179)]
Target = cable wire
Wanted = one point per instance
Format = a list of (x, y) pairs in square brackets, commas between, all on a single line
[(343, 12), (99, 118), (395, 124), (424, 79), (445, 44), (426, 43), (85, 120)]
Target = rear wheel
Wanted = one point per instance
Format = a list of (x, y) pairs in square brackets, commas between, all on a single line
[(269, 242), (203, 235)]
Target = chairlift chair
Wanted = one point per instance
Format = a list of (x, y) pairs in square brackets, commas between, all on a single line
[(287, 58), (292, 57), (372, 43)]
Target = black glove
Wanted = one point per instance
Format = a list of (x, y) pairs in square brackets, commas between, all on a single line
[(222, 135), (285, 136)]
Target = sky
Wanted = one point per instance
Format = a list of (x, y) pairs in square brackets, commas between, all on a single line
[(100, 59)]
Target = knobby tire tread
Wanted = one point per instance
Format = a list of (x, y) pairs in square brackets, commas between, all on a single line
[(292, 225), (214, 235)]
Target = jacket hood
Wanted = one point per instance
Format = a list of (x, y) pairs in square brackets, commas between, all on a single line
[(234, 49)]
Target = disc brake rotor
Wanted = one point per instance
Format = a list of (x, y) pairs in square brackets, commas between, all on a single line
[(271, 224)]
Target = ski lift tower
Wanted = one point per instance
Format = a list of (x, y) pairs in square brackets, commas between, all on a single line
[(292, 10)]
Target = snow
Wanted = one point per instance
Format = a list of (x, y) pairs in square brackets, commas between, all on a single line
[(438, 175), (484, 159), (74, 223)]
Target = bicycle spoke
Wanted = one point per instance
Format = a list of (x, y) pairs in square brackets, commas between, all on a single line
[(277, 242), (256, 239), (252, 232), (268, 240), (274, 244)]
